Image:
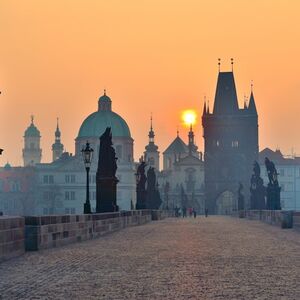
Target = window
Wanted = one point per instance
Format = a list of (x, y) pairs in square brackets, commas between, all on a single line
[(129, 158), (119, 151), (15, 186), (45, 211), (281, 172), (94, 179), (73, 211), (51, 179), (73, 178), (48, 179), (67, 178), (45, 179), (67, 195), (94, 196), (72, 195), (282, 187), (234, 144), (67, 211)]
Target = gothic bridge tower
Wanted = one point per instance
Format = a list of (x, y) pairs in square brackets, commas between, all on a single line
[(230, 146)]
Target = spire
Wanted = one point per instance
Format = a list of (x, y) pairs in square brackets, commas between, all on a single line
[(204, 107), (32, 118), (252, 107), (57, 131), (207, 112), (219, 64), (151, 132), (231, 64), (192, 147), (226, 102), (177, 131)]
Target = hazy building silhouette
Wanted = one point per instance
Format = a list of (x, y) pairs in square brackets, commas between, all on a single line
[(230, 146), (32, 152), (57, 147), (151, 155)]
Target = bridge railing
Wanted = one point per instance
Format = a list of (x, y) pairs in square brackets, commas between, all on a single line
[(282, 218), (32, 233)]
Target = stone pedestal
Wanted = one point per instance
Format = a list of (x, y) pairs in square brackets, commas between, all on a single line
[(106, 193), (273, 197)]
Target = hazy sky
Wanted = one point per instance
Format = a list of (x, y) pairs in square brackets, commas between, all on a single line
[(160, 56)]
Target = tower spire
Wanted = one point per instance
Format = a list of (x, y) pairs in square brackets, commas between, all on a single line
[(252, 106), (151, 132), (204, 107), (219, 64), (231, 64)]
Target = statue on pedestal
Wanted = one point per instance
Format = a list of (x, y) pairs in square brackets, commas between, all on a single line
[(141, 180), (153, 196), (273, 189), (106, 180), (257, 189)]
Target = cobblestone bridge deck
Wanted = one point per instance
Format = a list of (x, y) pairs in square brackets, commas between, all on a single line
[(213, 258)]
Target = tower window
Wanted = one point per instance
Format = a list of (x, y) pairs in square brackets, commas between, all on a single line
[(234, 144)]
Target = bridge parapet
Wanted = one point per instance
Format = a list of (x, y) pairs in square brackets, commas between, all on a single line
[(43, 232), (11, 237), (282, 218)]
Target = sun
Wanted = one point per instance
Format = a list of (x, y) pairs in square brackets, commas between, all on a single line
[(189, 117)]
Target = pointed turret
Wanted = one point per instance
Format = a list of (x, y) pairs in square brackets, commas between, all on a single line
[(152, 154), (204, 108), (226, 98), (57, 147), (252, 106)]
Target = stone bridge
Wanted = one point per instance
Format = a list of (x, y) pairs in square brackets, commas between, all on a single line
[(203, 258)]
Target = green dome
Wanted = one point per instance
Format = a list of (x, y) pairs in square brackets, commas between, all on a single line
[(95, 124), (32, 131)]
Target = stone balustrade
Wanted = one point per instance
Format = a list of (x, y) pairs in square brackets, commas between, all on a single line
[(281, 218), (43, 232), (11, 237)]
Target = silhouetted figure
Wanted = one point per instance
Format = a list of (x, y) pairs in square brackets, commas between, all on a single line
[(176, 212), (273, 188), (106, 180), (257, 189), (206, 212), (194, 212), (184, 212), (141, 186), (153, 196), (241, 197)]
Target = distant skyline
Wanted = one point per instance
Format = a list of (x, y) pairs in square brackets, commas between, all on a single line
[(57, 57)]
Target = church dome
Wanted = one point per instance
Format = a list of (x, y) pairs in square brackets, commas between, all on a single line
[(96, 123), (32, 131)]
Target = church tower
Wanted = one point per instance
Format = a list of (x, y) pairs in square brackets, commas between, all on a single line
[(32, 152), (152, 154), (230, 146), (57, 147)]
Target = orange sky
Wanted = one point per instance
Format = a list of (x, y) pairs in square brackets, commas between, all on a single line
[(160, 56)]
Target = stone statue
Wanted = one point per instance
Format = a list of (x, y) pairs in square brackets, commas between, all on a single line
[(153, 195), (272, 172), (106, 180), (241, 205), (273, 188), (141, 186), (257, 189)]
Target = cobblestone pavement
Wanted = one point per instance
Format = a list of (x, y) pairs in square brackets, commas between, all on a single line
[(213, 258)]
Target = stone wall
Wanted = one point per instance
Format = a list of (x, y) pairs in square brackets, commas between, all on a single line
[(53, 231), (281, 218), (11, 237), (296, 220)]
